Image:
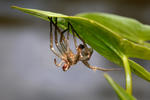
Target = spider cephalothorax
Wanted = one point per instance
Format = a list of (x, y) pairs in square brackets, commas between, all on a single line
[(68, 58)]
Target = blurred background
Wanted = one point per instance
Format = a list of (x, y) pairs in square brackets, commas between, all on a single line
[(27, 71)]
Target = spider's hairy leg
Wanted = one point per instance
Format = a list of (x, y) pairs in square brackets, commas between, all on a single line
[(69, 52), (74, 38), (60, 46), (51, 38), (79, 36), (99, 68), (82, 50), (78, 49), (75, 42), (87, 50), (63, 41), (56, 38), (67, 41), (58, 65)]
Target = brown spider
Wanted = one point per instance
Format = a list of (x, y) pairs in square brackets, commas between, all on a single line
[(83, 53)]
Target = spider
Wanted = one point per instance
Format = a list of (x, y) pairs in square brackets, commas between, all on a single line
[(68, 58)]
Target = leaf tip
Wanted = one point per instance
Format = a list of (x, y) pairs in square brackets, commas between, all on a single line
[(13, 7), (105, 75)]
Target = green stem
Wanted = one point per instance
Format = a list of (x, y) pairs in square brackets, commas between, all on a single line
[(127, 74)]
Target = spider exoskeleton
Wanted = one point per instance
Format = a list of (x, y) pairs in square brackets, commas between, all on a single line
[(68, 58)]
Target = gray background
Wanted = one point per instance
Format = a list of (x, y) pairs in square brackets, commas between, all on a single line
[(27, 71)]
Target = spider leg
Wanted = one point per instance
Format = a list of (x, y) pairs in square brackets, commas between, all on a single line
[(67, 40), (74, 38), (88, 50), (84, 54), (74, 31), (85, 46), (63, 41), (58, 65), (61, 35), (51, 39), (84, 58), (99, 68), (59, 47), (79, 48)]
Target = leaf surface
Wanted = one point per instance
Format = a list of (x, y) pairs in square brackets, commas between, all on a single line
[(123, 95)]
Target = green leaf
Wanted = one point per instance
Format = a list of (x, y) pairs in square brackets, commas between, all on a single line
[(128, 28), (123, 95), (104, 39)]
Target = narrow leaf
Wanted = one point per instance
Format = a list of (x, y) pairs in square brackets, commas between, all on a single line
[(123, 95)]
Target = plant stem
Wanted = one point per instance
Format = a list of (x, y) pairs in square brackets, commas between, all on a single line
[(127, 74)]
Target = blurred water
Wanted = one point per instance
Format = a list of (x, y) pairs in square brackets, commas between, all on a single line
[(27, 71)]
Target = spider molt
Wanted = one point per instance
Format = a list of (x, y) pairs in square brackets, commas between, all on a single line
[(68, 58)]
